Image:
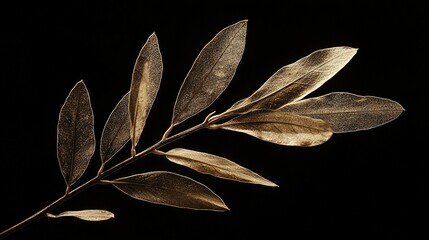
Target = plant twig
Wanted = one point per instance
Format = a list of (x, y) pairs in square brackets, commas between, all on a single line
[(101, 176)]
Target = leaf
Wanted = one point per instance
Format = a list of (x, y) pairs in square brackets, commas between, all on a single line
[(211, 72), (116, 132), (280, 128), (170, 189), (215, 166), (295, 81), (347, 112), (93, 215), (75, 134), (145, 83)]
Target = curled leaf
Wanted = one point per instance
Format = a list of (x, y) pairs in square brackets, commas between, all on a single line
[(295, 81), (145, 83), (280, 128), (170, 189), (211, 72), (75, 134), (116, 132), (215, 166), (93, 215), (347, 112)]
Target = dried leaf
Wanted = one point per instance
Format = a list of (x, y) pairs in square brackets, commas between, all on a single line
[(75, 134), (280, 128), (295, 81), (347, 112), (145, 83), (211, 72), (215, 166), (93, 215), (170, 189), (116, 132)]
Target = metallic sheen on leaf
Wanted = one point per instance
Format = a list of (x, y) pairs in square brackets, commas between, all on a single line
[(116, 132), (295, 81), (145, 83), (170, 189), (347, 112), (280, 128), (75, 134), (211, 72), (216, 166), (93, 215)]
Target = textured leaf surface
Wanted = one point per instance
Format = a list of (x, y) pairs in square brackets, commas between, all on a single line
[(75, 134), (347, 112), (216, 166), (145, 83), (211, 72), (93, 215), (170, 189), (116, 132), (280, 128), (295, 81)]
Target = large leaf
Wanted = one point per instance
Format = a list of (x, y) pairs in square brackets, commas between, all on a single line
[(170, 189), (75, 134), (211, 72), (280, 128), (347, 112), (215, 166), (145, 83), (116, 132), (295, 81), (93, 215)]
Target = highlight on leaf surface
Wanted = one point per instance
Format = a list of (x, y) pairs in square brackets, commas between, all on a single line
[(280, 128), (211, 72), (93, 215), (171, 189), (116, 132), (295, 81), (145, 83), (75, 134), (347, 112), (216, 166)]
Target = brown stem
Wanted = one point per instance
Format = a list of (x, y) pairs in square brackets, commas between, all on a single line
[(102, 175)]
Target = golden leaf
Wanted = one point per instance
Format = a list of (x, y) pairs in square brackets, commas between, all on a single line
[(75, 134), (295, 81), (145, 83), (170, 189), (211, 72), (346, 112), (215, 166), (280, 128), (116, 131), (93, 215)]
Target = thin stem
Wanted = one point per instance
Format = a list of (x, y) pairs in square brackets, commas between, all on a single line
[(99, 179)]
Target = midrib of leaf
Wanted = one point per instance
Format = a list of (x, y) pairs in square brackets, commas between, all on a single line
[(217, 61), (351, 112), (116, 134), (270, 122), (291, 83), (72, 162)]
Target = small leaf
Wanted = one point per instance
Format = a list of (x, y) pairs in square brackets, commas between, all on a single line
[(93, 215), (116, 132), (215, 166), (170, 189), (347, 112), (211, 72), (75, 134), (280, 128), (145, 83), (295, 81)]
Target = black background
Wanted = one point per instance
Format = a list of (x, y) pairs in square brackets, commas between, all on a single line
[(369, 184)]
